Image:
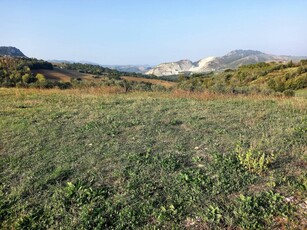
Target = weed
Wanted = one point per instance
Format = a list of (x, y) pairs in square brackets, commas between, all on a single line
[(254, 160), (213, 214), (258, 211)]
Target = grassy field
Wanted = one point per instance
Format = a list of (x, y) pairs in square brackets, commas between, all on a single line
[(84, 159)]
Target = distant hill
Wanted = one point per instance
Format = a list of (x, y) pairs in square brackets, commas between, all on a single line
[(121, 68), (59, 61), (71, 62), (130, 68), (11, 51), (232, 60)]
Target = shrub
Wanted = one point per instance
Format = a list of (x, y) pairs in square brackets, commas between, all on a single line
[(158, 88), (20, 85), (40, 77), (126, 85), (271, 84), (29, 78), (303, 62), (300, 82), (267, 91), (300, 70), (63, 85), (289, 93)]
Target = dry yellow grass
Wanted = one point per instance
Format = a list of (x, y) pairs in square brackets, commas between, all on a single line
[(295, 102), (206, 95)]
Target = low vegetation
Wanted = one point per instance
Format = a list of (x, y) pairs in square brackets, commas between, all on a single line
[(88, 158), (264, 78), (33, 73)]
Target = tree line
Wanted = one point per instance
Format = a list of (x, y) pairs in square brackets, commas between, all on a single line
[(16, 72)]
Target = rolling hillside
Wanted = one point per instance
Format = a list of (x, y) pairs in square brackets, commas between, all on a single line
[(65, 75), (232, 60), (257, 78)]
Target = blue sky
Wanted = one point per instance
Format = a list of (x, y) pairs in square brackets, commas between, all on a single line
[(152, 31)]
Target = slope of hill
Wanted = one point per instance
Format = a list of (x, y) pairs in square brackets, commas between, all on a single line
[(98, 70), (30, 72), (121, 68), (66, 75), (231, 60), (260, 77), (10, 51)]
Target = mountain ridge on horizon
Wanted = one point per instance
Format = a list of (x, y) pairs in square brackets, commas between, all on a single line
[(231, 60)]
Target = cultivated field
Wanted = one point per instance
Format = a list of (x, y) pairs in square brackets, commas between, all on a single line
[(86, 158), (65, 75)]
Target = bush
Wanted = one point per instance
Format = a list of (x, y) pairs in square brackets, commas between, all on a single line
[(63, 85), (303, 62), (158, 88), (20, 85), (289, 93), (267, 91), (27, 78), (301, 70), (40, 77)]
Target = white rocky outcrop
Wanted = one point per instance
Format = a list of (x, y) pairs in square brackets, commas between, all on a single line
[(231, 60), (171, 68)]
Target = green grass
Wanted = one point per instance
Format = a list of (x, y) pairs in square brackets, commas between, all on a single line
[(301, 93), (81, 160)]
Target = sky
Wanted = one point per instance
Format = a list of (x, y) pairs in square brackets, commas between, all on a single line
[(124, 32)]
